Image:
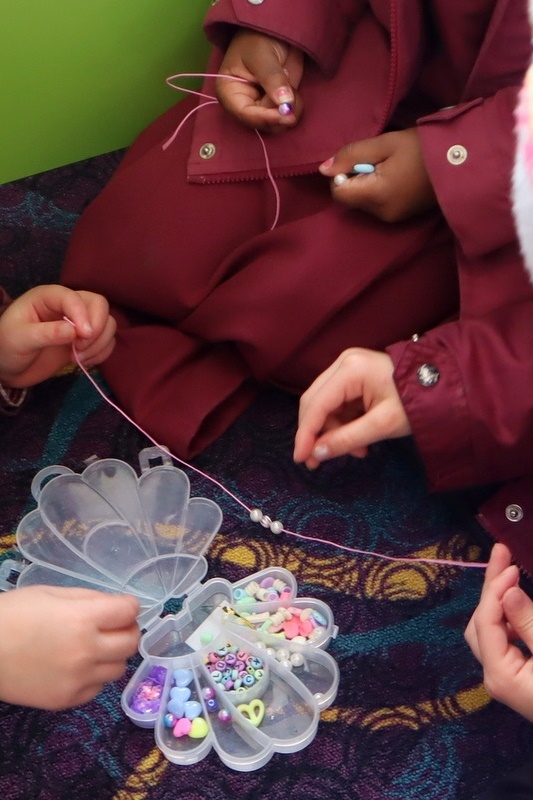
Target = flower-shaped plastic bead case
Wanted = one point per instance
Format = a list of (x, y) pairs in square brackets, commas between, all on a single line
[(109, 529), (185, 687), (241, 668)]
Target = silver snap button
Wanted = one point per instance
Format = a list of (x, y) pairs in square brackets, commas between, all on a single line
[(428, 375), (457, 154), (207, 150), (256, 2), (514, 512)]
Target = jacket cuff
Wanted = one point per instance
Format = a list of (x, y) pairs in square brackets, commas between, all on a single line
[(432, 393), (321, 32), (508, 518)]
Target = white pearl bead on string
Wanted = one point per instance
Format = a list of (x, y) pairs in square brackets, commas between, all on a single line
[(256, 515)]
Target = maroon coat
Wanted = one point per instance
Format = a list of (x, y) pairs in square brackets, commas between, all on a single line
[(211, 303)]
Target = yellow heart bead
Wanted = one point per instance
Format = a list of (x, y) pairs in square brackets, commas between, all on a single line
[(199, 729), (253, 711)]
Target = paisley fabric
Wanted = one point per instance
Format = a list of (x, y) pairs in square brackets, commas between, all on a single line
[(411, 718)]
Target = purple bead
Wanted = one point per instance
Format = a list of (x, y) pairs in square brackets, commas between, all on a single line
[(147, 697), (285, 109), (224, 716), (208, 693), (158, 674), (211, 705)]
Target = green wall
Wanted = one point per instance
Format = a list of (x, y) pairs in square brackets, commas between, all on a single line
[(83, 77)]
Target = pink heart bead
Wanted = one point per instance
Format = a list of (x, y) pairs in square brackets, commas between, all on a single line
[(182, 727)]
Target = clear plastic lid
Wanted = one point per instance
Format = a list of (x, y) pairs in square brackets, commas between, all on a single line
[(109, 529)]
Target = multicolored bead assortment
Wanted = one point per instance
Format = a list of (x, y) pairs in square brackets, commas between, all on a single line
[(269, 588), (301, 625), (233, 669), (147, 697), (184, 713)]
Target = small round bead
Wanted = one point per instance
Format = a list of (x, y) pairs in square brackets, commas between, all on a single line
[(265, 521), (211, 705), (276, 526), (208, 693), (297, 659), (286, 663), (224, 716), (256, 515), (285, 109), (339, 179), (282, 654)]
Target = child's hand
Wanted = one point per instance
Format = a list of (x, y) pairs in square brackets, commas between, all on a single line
[(272, 71), (60, 645), (504, 615), (348, 407), (399, 188), (35, 340)]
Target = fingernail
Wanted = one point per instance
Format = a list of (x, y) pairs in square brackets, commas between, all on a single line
[(284, 95), (513, 598), (321, 452), (339, 179), (327, 164)]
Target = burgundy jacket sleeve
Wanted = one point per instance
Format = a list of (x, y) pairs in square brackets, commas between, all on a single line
[(508, 517), (320, 28), (469, 154), (466, 387)]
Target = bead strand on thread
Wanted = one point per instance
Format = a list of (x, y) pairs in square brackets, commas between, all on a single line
[(256, 515)]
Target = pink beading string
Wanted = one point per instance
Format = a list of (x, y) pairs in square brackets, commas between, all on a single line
[(210, 100), (405, 559), (265, 521)]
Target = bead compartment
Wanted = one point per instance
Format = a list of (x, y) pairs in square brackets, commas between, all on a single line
[(292, 697)]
